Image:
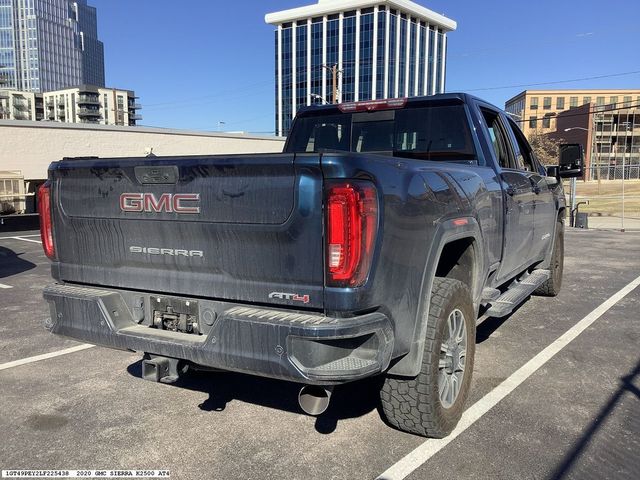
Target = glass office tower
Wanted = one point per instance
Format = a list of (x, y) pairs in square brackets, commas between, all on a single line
[(382, 49), (48, 45)]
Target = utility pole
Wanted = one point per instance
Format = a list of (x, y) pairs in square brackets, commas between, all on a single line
[(334, 76)]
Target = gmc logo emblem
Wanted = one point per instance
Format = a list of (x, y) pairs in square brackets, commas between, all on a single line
[(168, 202)]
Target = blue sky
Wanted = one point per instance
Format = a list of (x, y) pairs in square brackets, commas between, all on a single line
[(199, 62)]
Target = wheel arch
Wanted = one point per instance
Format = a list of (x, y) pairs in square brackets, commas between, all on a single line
[(453, 241)]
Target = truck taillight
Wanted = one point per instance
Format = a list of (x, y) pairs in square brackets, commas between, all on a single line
[(351, 227), (44, 211)]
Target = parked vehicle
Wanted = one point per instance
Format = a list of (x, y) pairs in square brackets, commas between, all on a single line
[(369, 247)]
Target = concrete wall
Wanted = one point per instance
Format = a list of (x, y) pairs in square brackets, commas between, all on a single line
[(30, 146)]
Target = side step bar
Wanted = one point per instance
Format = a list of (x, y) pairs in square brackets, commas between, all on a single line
[(517, 293)]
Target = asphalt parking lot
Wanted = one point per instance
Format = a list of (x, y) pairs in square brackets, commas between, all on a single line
[(576, 415)]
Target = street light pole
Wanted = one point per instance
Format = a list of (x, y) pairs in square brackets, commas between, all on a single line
[(315, 96), (572, 202)]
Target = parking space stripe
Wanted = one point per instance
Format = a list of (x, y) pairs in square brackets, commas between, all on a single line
[(2, 285), (28, 240), (430, 447), (44, 356), (21, 236)]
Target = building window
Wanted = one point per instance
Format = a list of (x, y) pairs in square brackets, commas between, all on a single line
[(301, 66), (586, 100), (627, 101), (348, 58), (392, 56), (382, 25), (533, 122), (547, 103), (560, 103), (573, 102), (546, 122), (599, 101), (534, 103), (613, 101), (366, 56)]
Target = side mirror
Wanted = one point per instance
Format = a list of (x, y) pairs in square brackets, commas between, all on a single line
[(553, 171), (571, 160)]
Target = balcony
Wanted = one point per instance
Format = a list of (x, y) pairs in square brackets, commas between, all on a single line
[(135, 117), (89, 113), (135, 106), (88, 100), (22, 115)]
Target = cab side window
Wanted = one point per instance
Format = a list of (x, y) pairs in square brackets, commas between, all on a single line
[(523, 154), (498, 138)]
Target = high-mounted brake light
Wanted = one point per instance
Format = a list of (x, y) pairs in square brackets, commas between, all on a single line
[(44, 211), (351, 227), (373, 105)]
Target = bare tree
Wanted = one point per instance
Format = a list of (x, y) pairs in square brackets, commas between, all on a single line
[(546, 146)]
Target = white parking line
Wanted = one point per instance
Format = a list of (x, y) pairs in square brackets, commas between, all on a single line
[(21, 236), (28, 240), (430, 447), (44, 356), (2, 285)]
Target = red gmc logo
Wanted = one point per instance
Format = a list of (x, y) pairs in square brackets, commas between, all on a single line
[(168, 202)]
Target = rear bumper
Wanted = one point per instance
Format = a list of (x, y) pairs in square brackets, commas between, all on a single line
[(297, 346)]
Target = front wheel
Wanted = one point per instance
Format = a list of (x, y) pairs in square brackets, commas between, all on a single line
[(432, 403)]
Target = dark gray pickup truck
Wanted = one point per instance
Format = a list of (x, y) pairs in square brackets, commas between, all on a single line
[(371, 246)]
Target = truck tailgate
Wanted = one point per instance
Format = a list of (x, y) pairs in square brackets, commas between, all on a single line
[(239, 227)]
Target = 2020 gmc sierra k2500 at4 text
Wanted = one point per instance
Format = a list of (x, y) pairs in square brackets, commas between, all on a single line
[(370, 246)]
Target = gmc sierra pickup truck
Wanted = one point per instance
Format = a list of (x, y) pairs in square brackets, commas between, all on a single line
[(370, 246)]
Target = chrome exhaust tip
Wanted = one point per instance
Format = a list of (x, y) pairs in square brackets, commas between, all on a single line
[(314, 399)]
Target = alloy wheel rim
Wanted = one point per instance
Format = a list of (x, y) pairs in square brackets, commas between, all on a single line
[(453, 353)]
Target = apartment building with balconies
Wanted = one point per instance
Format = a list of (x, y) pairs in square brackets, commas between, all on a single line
[(605, 122), (91, 104), (16, 105)]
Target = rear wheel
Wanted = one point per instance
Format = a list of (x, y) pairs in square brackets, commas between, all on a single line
[(551, 287), (431, 403)]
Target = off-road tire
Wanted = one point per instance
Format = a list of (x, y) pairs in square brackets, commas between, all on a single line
[(413, 404), (551, 287)]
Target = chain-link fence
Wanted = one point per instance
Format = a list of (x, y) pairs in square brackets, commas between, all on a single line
[(613, 202)]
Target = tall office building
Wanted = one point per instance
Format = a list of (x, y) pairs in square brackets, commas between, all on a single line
[(49, 45), (380, 49)]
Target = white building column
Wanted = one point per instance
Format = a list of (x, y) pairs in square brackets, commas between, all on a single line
[(309, 102), (444, 62), (407, 58), (386, 53), (396, 89), (434, 76), (416, 82), (324, 57), (279, 111), (425, 87), (356, 88), (340, 56), (294, 61), (374, 68)]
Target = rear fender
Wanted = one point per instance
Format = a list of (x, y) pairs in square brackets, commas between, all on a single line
[(447, 232)]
